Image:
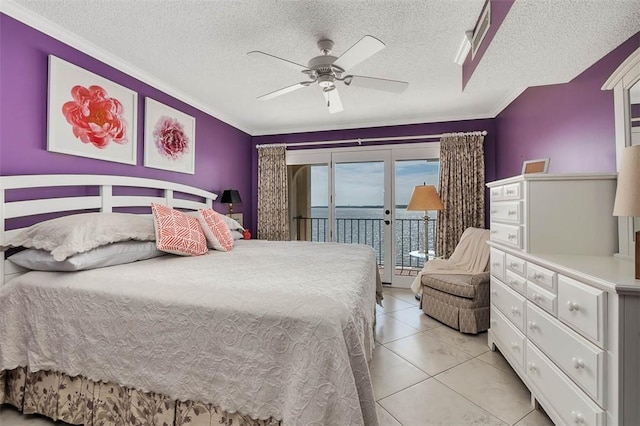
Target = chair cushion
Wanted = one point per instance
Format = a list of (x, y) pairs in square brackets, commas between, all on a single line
[(457, 285)]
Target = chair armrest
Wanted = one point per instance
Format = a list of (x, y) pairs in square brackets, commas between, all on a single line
[(481, 278)]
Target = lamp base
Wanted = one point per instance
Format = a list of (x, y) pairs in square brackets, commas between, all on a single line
[(638, 255)]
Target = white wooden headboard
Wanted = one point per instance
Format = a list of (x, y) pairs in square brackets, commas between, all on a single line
[(105, 201)]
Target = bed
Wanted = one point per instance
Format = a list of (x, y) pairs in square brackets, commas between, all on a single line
[(267, 333)]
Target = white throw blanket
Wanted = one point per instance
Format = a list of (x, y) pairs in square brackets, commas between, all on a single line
[(470, 257), (281, 329)]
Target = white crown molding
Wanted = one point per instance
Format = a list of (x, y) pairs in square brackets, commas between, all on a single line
[(506, 101), (26, 16), (370, 124)]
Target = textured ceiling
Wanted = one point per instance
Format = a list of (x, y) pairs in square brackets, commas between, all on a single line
[(196, 51)]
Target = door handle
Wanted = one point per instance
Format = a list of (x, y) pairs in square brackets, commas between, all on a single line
[(387, 211), (387, 222)]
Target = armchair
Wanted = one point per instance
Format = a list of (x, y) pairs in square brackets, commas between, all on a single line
[(456, 291)]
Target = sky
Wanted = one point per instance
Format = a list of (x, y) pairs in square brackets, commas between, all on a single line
[(361, 184)]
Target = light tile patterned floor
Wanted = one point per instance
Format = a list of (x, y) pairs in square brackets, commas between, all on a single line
[(425, 373)]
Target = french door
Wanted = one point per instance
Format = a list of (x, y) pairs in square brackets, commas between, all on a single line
[(359, 195)]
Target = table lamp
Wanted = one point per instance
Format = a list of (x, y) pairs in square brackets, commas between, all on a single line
[(425, 197), (230, 196), (628, 192)]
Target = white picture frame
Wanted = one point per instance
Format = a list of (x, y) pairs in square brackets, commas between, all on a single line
[(169, 138), (535, 166), (90, 116)]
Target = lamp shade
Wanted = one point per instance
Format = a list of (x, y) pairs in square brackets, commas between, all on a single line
[(230, 196), (425, 197), (628, 190)]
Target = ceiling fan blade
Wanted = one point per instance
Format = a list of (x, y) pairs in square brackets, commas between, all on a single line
[(258, 54), (367, 46), (376, 83), (283, 91), (332, 100)]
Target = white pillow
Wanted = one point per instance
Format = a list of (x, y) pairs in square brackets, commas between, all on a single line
[(233, 224), (237, 235), (100, 257), (78, 233)]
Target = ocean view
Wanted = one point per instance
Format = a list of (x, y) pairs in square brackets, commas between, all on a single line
[(365, 225)]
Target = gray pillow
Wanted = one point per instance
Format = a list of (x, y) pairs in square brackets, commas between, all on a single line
[(78, 233), (107, 255)]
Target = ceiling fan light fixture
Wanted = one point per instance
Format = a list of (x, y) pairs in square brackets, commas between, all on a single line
[(325, 81)]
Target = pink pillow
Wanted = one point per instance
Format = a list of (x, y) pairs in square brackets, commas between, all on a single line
[(216, 230), (178, 233)]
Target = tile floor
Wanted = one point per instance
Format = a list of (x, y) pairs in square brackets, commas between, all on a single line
[(425, 373)]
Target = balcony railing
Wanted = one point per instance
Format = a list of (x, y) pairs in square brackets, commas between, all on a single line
[(409, 236)]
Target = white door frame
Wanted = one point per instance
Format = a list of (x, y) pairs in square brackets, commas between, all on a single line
[(387, 153)]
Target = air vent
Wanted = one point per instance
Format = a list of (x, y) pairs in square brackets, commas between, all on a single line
[(481, 29)]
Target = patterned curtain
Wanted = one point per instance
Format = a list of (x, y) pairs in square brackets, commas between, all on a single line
[(273, 206), (461, 186)]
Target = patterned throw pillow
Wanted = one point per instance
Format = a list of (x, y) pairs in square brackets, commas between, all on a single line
[(216, 230), (178, 233)]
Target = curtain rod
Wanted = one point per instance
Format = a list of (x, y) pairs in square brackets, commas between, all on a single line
[(359, 141)]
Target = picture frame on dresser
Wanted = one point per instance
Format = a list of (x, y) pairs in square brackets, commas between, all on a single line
[(535, 166)]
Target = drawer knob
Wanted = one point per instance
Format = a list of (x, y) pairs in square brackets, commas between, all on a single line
[(577, 417), (513, 265), (573, 306), (514, 346), (535, 297), (510, 191), (514, 310), (493, 322), (495, 264), (532, 325), (494, 211), (536, 276), (511, 236), (494, 232), (577, 363), (532, 366), (513, 283), (495, 293), (511, 212)]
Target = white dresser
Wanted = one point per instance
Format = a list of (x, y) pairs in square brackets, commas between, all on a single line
[(565, 313)]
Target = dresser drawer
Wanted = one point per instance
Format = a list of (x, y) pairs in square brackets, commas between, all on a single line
[(541, 297), (582, 307), (512, 191), (515, 282), (510, 303), (581, 360), (497, 263), (515, 264), (512, 340), (507, 211), (542, 276), (496, 193), (506, 234), (566, 399)]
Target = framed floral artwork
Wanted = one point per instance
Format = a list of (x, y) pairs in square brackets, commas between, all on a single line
[(90, 116), (169, 138)]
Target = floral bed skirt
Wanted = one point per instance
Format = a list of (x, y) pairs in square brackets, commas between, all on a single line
[(78, 401)]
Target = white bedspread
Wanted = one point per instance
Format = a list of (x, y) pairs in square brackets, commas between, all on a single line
[(268, 329)]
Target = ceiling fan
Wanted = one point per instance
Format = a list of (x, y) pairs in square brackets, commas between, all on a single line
[(326, 70)]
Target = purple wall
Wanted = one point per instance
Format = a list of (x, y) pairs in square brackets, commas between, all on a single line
[(572, 123), (499, 11), (221, 149), (389, 131)]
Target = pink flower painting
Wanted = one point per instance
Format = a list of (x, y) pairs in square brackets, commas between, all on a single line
[(170, 138), (95, 117)]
